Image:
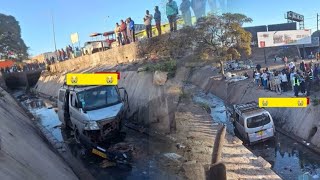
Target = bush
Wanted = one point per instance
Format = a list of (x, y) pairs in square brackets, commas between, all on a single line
[(205, 106), (167, 66)]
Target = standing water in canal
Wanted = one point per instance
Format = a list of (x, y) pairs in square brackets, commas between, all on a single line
[(289, 159)]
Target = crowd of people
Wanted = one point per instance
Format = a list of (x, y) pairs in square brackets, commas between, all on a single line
[(125, 31), (63, 54), (23, 67), (300, 80)]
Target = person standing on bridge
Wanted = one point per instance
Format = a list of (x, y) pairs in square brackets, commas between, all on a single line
[(132, 30), (199, 8), (186, 13), (172, 12), (123, 29), (118, 34), (147, 22), (157, 19)]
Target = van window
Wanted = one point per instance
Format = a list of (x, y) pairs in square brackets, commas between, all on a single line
[(258, 121), (99, 97), (61, 95), (73, 100), (241, 121)]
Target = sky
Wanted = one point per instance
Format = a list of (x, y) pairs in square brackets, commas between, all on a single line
[(89, 16)]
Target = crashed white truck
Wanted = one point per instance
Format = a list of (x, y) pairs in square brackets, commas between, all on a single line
[(94, 113)]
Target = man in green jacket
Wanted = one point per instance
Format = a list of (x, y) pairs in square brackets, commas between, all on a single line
[(172, 12)]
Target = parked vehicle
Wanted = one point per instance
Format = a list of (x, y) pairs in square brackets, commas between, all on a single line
[(254, 124), (94, 113), (91, 47)]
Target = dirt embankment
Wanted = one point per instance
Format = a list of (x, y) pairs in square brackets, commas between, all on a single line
[(24, 153), (302, 122)]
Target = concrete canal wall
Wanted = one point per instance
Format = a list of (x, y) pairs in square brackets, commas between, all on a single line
[(24, 153)]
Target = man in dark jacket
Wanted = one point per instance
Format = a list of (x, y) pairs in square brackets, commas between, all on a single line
[(157, 19), (186, 13)]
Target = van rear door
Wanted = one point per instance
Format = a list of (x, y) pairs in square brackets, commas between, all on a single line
[(259, 127), (60, 103)]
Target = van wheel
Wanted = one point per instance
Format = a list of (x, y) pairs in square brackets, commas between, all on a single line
[(76, 135)]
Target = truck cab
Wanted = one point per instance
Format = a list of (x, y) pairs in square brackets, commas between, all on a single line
[(93, 113), (254, 124)]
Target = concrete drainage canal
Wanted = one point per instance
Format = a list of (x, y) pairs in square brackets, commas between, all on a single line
[(288, 158), (145, 152)]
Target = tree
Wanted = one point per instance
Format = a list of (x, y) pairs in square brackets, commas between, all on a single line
[(10, 37), (222, 37)]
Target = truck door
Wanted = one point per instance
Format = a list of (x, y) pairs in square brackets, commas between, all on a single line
[(60, 104), (75, 114)]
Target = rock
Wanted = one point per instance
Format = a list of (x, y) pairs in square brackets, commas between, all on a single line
[(141, 69), (180, 146), (190, 162), (160, 78)]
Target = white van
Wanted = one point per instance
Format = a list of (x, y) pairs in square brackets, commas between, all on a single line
[(254, 124)]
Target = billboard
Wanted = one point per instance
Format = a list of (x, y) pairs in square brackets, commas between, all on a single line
[(282, 27), (295, 16), (74, 38), (314, 43), (284, 38)]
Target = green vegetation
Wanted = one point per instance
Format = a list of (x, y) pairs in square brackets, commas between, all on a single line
[(221, 37), (169, 66), (184, 95), (10, 39), (205, 106)]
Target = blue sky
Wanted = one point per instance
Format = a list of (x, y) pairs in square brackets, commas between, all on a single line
[(86, 17)]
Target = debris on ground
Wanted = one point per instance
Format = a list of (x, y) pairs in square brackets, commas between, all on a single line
[(233, 77), (173, 156), (105, 164), (122, 147), (180, 146)]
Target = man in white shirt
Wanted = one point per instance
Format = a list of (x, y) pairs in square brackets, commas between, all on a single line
[(257, 78), (284, 81), (147, 22), (265, 79)]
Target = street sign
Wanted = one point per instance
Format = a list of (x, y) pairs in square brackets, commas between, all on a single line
[(74, 38)]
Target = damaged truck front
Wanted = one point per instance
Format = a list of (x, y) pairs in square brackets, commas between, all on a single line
[(94, 113)]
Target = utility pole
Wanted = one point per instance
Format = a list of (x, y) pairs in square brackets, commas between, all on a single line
[(54, 35), (318, 36)]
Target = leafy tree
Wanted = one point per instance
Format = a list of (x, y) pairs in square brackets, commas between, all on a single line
[(10, 37), (222, 37)]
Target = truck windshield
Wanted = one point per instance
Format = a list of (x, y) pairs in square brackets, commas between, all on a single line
[(258, 121), (99, 97)]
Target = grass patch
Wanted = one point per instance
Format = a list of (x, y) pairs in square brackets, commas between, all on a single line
[(169, 66), (184, 95), (205, 106)]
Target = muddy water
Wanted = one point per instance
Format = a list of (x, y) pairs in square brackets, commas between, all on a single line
[(147, 152), (289, 159)]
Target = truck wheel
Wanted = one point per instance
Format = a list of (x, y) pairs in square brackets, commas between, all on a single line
[(76, 135)]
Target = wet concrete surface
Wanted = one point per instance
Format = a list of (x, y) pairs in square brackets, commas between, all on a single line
[(288, 158), (147, 150)]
